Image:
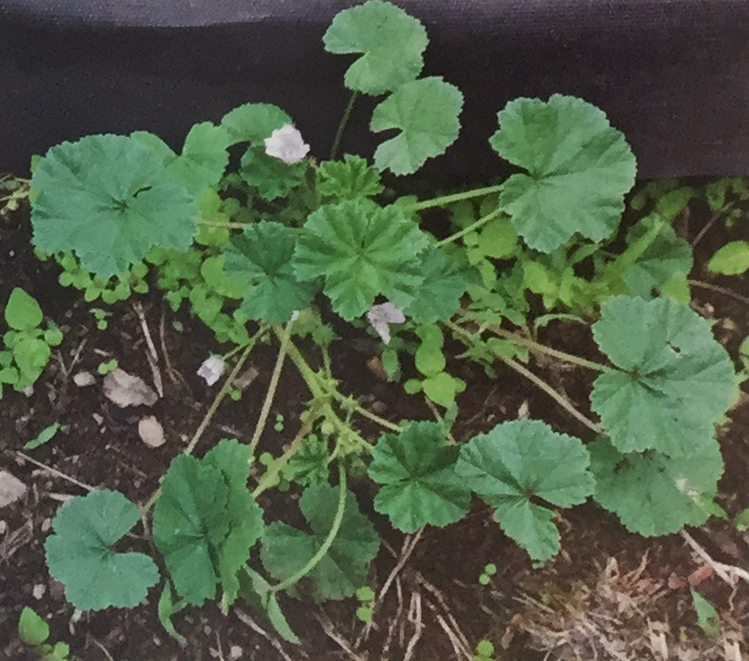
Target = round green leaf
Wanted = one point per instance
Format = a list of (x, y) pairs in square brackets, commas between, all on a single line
[(392, 43), (80, 554), (438, 297), (522, 460), (417, 471), (22, 312), (579, 169), (731, 259), (203, 160), (653, 494), (674, 379), (253, 122), (261, 259), (108, 199), (269, 175), (363, 251), (426, 112)]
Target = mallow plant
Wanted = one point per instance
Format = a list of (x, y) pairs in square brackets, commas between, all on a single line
[(259, 241)]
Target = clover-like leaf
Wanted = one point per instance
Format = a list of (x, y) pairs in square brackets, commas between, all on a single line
[(417, 471), (438, 297), (261, 258), (578, 170), (349, 179), (392, 43), (188, 525), (286, 550), (81, 556), (426, 111), (653, 494), (22, 312), (516, 465), (674, 379), (253, 122), (668, 255), (107, 198), (362, 250)]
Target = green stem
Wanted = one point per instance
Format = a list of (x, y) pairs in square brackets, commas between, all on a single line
[(632, 254), (271, 475), (541, 348), (342, 125), (444, 200), (323, 550), (211, 411), (558, 397), (473, 226), (285, 336), (322, 396)]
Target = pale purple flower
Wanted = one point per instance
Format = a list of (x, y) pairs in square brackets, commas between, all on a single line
[(211, 369), (382, 315), (286, 144)]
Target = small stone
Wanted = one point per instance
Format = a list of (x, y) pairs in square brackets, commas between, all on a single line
[(39, 590), (46, 525), (235, 652), (127, 390), (11, 489), (151, 432), (3, 527), (98, 419), (84, 379)]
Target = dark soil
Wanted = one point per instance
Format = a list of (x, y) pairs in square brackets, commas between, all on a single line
[(435, 608)]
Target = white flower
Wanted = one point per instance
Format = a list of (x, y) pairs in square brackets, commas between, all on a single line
[(211, 369), (286, 144), (380, 316)]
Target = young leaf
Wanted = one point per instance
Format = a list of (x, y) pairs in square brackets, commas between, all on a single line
[(80, 553), (438, 298), (108, 199), (522, 460), (708, 618), (417, 471), (362, 251), (286, 549), (674, 379), (653, 494), (22, 312), (44, 436), (261, 258), (392, 43), (188, 525), (32, 629), (579, 169), (203, 160), (731, 259), (668, 255), (256, 590), (426, 111), (253, 122), (349, 179), (270, 176)]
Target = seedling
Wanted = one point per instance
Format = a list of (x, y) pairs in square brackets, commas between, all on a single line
[(366, 598), (45, 436), (34, 632), (107, 366), (489, 572), (484, 651), (28, 346), (707, 617)]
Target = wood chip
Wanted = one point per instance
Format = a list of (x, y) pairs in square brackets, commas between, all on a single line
[(151, 432)]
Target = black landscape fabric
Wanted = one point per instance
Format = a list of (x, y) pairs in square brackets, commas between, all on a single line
[(672, 74)]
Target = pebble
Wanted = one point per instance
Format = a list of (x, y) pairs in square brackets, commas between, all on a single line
[(84, 379), (151, 432), (235, 652), (11, 489), (39, 590), (127, 390)]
